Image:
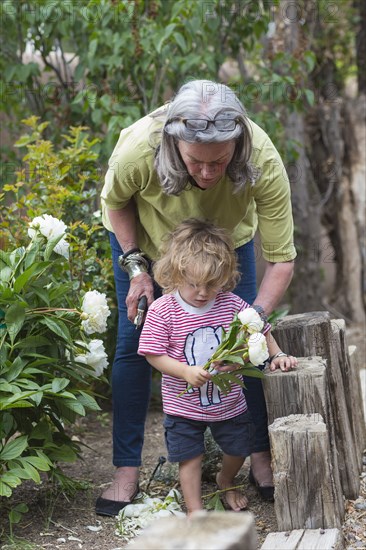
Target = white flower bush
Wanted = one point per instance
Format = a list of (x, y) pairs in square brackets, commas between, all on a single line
[(257, 349), (135, 517), (95, 357), (95, 312), (51, 228), (251, 320)]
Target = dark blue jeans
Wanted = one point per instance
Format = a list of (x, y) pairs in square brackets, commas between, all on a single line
[(131, 373)]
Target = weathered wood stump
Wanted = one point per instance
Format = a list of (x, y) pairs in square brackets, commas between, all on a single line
[(305, 492), (313, 334), (304, 391), (208, 530), (301, 539)]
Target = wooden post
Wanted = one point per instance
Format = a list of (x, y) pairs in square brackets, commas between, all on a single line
[(358, 367), (352, 387), (311, 334), (304, 391), (305, 493)]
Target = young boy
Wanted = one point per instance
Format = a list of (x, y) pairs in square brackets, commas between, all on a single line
[(197, 271)]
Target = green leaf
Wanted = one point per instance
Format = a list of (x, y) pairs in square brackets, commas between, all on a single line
[(233, 359), (34, 269), (15, 405), (168, 31), (215, 503), (250, 370), (51, 243), (14, 448), (64, 453), (32, 254), (37, 397), (58, 384), (58, 327), (14, 319), (19, 471), (15, 369), (5, 490), (180, 40), (15, 514), (309, 94), (38, 463), (88, 401), (5, 274), (32, 342), (10, 479), (30, 470), (93, 47)]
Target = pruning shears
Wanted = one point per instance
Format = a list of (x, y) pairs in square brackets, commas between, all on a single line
[(141, 310)]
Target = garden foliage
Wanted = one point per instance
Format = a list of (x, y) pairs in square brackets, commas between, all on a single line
[(50, 312)]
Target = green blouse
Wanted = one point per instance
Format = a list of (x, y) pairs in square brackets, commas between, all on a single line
[(265, 206)]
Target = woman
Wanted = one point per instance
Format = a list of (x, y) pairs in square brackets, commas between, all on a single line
[(200, 156)]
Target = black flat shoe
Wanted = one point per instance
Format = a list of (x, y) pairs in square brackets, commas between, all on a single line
[(106, 507), (266, 492)]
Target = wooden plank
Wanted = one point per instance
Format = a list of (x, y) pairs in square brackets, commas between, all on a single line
[(303, 474), (321, 539), (309, 539), (311, 334), (285, 540)]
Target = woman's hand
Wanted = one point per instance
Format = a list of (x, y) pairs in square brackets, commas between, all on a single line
[(283, 362), (196, 376), (141, 285)]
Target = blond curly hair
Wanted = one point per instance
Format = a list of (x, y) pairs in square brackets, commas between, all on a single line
[(197, 252)]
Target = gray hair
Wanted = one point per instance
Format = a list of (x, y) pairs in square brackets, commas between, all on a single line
[(209, 100)]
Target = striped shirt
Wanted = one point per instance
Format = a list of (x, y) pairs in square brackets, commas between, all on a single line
[(191, 335)]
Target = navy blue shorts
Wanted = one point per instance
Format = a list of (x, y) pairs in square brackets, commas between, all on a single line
[(184, 437)]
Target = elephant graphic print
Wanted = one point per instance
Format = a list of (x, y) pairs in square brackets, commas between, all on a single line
[(198, 348)]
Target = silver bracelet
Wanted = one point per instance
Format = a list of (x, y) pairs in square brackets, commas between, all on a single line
[(134, 263)]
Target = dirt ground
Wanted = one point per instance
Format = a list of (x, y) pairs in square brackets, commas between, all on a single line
[(63, 521)]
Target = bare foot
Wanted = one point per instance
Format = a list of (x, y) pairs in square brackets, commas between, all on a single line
[(260, 464), (124, 484), (234, 498)]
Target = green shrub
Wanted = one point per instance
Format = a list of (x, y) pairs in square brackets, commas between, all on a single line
[(47, 359)]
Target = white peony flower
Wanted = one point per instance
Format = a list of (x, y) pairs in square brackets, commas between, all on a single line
[(250, 318), (95, 357), (51, 228), (95, 307), (62, 248), (257, 349), (135, 517)]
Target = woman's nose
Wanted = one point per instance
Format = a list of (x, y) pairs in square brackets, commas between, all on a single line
[(207, 170)]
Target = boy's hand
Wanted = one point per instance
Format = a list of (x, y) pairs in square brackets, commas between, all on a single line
[(284, 362), (221, 366), (196, 376)]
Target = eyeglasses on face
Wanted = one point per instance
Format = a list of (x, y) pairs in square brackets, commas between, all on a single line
[(199, 124)]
